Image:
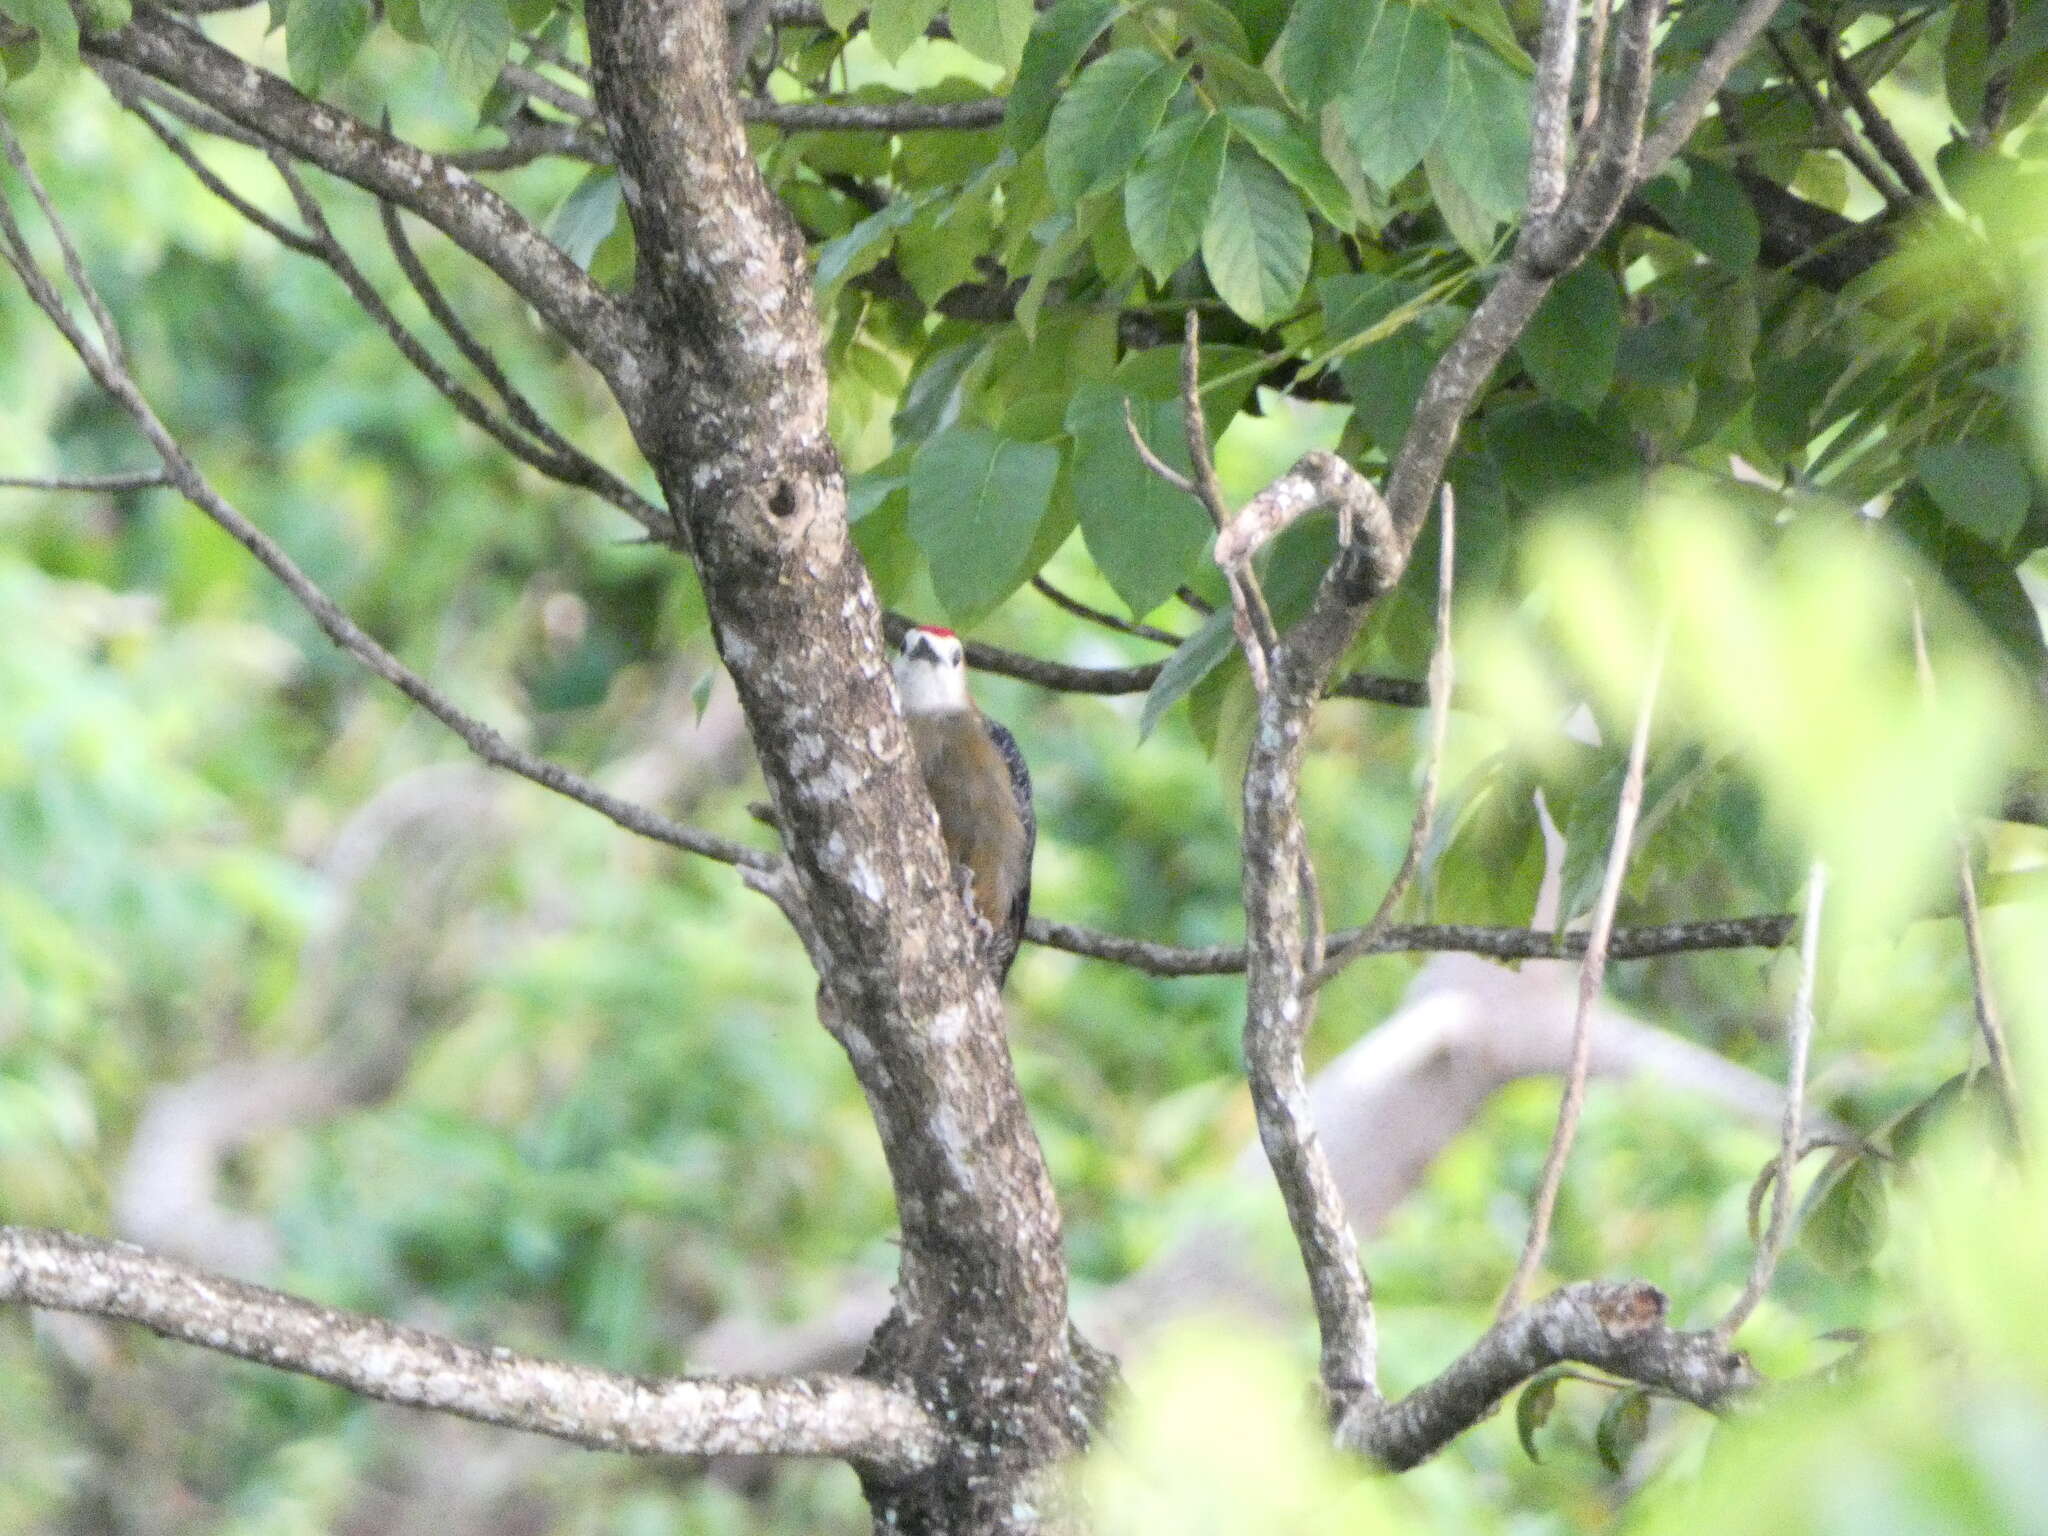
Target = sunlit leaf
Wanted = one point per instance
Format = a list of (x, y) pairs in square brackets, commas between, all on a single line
[(1395, 102), (1103, 123), (976, 501), (321, 37), (1256, 243), (1167, 199)]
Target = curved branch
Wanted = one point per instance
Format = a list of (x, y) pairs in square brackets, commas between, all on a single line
[(839, 1416), (1619, 1328)]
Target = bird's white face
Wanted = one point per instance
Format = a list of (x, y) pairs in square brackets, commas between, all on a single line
[(931, 673)]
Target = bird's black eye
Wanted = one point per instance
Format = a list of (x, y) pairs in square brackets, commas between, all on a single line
[(957, 660)]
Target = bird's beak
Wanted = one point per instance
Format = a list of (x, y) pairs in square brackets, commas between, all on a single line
[(917, 648)]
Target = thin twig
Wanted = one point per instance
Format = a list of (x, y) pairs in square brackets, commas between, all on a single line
[(1770, 931), (569, 463), (1081, 610), (530, 141), (564, 462), (1982, 998), (1684, 115), (1875, 124), (74, 267), (1999, 16), (1440, 677), (1596, 54), (538, 87), (139, 480), (1791, 1132), (1840, 135), (571, 468), (1591, 973), (745, 32), (291, 239), (487, 743), (1250, 617)]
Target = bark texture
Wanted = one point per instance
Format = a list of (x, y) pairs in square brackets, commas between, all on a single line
[(733, 420)]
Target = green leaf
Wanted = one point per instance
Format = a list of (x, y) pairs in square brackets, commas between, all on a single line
[(1103, 124), (1355, 302), (1470, 225), (1846, 1218), (1622, 1428), (1705, 206), (1573, 338), (700, 695), (881, 531), (1394, 108), (321, 37), (1055, 46), (1211, 22), (895, 24), (1384, 381), (52, 22), (1166, 201), (840, 15), (1142, 533), (1263, 22), (1289, 150), (1533, 1407), (1982, 486), (1197, 656), (1257, 242), (585, 218), (108, 15), (1485, 137), (18, 58), (861, 247), (996, 30), (1320, 51), (1488, 20), (1546, 450), (976, 501), (471, 38)]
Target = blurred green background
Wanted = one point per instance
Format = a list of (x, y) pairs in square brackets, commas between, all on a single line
[(571, 1094)]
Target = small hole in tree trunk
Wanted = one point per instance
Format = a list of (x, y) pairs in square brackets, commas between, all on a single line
[(783, 502)]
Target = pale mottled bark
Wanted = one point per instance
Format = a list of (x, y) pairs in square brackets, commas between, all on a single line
[(808, 1416)]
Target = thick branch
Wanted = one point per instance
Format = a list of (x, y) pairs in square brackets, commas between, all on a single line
[(1618, 1328), (838, 1416), (734, 423)]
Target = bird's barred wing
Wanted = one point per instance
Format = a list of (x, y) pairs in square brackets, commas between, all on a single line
[(1020, 779), (1020, 789)]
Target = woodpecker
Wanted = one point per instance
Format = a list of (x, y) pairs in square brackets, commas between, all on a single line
[(980, 785)]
